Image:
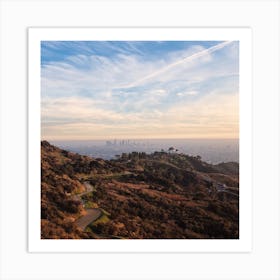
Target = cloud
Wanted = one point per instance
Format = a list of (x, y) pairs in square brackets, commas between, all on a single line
[(192, 92), (188, 91), (214, 115), (190, 58), (93, 72)]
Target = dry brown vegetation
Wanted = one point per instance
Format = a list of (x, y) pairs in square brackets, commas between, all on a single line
[(160, 195)]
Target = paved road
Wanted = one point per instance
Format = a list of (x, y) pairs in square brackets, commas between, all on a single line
[(91, 216), (89, 188)]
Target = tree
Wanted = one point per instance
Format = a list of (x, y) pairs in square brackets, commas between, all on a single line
[(171, 149)]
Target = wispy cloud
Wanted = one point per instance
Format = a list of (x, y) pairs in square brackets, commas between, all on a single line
[(83, 119), (180, 61), (131, 92)]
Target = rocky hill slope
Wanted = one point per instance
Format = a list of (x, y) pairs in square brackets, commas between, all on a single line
[(137, 195)]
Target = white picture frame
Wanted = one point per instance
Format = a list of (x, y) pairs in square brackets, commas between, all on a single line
[(243, 36), (262, 262)]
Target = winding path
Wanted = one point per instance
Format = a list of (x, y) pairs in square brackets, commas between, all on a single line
[(92, 214)]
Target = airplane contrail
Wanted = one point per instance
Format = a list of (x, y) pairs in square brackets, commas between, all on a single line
[(188, 58)]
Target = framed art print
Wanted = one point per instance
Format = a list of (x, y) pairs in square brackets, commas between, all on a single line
[(140, 139)]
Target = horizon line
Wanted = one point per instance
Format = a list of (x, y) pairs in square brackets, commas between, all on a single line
[(127, 138)]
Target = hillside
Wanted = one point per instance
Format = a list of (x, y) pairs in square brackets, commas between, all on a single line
[(137, 195)]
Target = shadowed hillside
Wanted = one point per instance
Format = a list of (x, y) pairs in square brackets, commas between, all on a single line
[(137, 195)]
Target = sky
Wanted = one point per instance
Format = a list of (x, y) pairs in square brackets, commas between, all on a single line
[(139, 90)]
